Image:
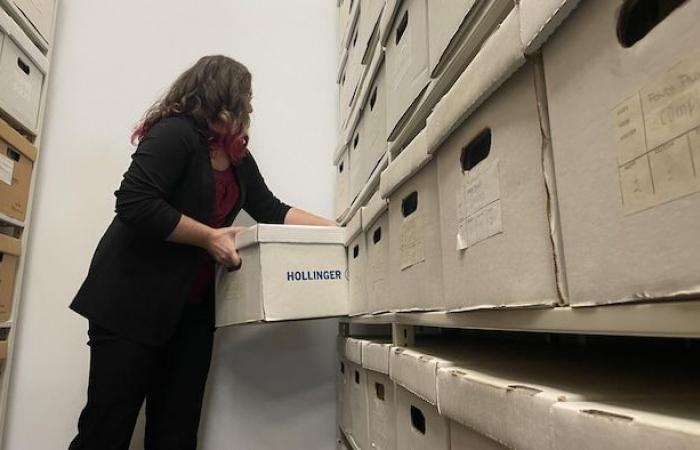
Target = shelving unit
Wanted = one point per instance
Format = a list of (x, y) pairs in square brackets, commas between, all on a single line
[(663, 319), (18, 27)]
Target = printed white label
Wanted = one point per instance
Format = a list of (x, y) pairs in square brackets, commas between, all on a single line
[(7, 169), (658, 140), (412, 243), (479, 206)]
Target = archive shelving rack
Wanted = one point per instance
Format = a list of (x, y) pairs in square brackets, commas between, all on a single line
[(18, 28)]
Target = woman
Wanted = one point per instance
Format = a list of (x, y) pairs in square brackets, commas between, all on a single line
[(148, 294)]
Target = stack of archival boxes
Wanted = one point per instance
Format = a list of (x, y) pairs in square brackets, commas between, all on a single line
[(23, 69), (487, 101)]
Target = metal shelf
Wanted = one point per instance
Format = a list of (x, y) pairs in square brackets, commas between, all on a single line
[(4, 218), (662, 319)]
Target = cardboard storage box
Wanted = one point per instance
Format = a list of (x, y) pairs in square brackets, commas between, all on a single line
[(464, 438), (343, 414), (17, 156), (342, 183), (497, 206), (21, 83), (415, 262), (375, 224), (627, 150), (381, 396), (406, 60), (39, 13), (348, 15), (289, 272), (343, 99), (357, 264), (356, 152), (373, 124), (509, 398), (662, 423), (419, 426), (10, 250), (354, 67), (358, 392)]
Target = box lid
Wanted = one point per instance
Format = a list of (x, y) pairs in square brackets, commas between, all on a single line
[(352, 23), (375, 356), (391, 8), (17, 141), (501, 55), (339, 152), (651, 423), (294, 234), (14, 32), (354, 227), (341, 66), (407, 164), (416, 370), (374, 208), (353, 349), (10, 245), (540, 18)]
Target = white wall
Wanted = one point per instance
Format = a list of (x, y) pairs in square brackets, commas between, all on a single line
[(271, 387)]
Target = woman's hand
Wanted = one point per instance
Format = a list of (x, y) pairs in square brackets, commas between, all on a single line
[(296, 216), (221, 245)]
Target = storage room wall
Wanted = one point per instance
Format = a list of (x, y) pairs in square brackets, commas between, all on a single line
[(271, 387)]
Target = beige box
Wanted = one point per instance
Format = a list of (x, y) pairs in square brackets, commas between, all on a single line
[(407, 70), (464, 438), (380, 395), (357, 264), (39, 13), (289, 272), (419, 426), (10, 250), (497, 209), (343, 414), (445, 18), (373, 124), (540, 18), (342, 183), (382, 411), (509, 398), (415, 261), (21, 83), (627, 151), (375, 224), (354, 67), (343, 99), (17, 156), (348, 15), (662, 423), (356, 150), (358, 406)]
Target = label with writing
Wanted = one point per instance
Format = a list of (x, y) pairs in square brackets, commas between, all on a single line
[(7, 169), (479, 206), (658, 139), (412, 241)]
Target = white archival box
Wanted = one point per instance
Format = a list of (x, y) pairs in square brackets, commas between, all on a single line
[(289, 272)]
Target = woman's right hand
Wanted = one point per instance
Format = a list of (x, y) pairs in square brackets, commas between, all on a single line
[(221, 245)]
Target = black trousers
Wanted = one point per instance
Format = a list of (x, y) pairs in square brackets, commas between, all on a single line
[(170, 378)]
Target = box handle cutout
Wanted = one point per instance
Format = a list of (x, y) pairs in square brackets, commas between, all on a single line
[(357, 377), (342, 80), (373, 99), (638, 17), (417, 419), (409, 205), (379, 389), (24, 67), (356, 251), (13, 154), (356, 141), (2, 255), (377, 236), (476, 151), (402, 27), (342, 367), (354, 40), (341, 167)]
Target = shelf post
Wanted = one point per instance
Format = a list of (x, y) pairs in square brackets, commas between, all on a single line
[(403, 335)]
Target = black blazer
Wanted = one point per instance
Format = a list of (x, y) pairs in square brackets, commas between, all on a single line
[(138, 282)]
